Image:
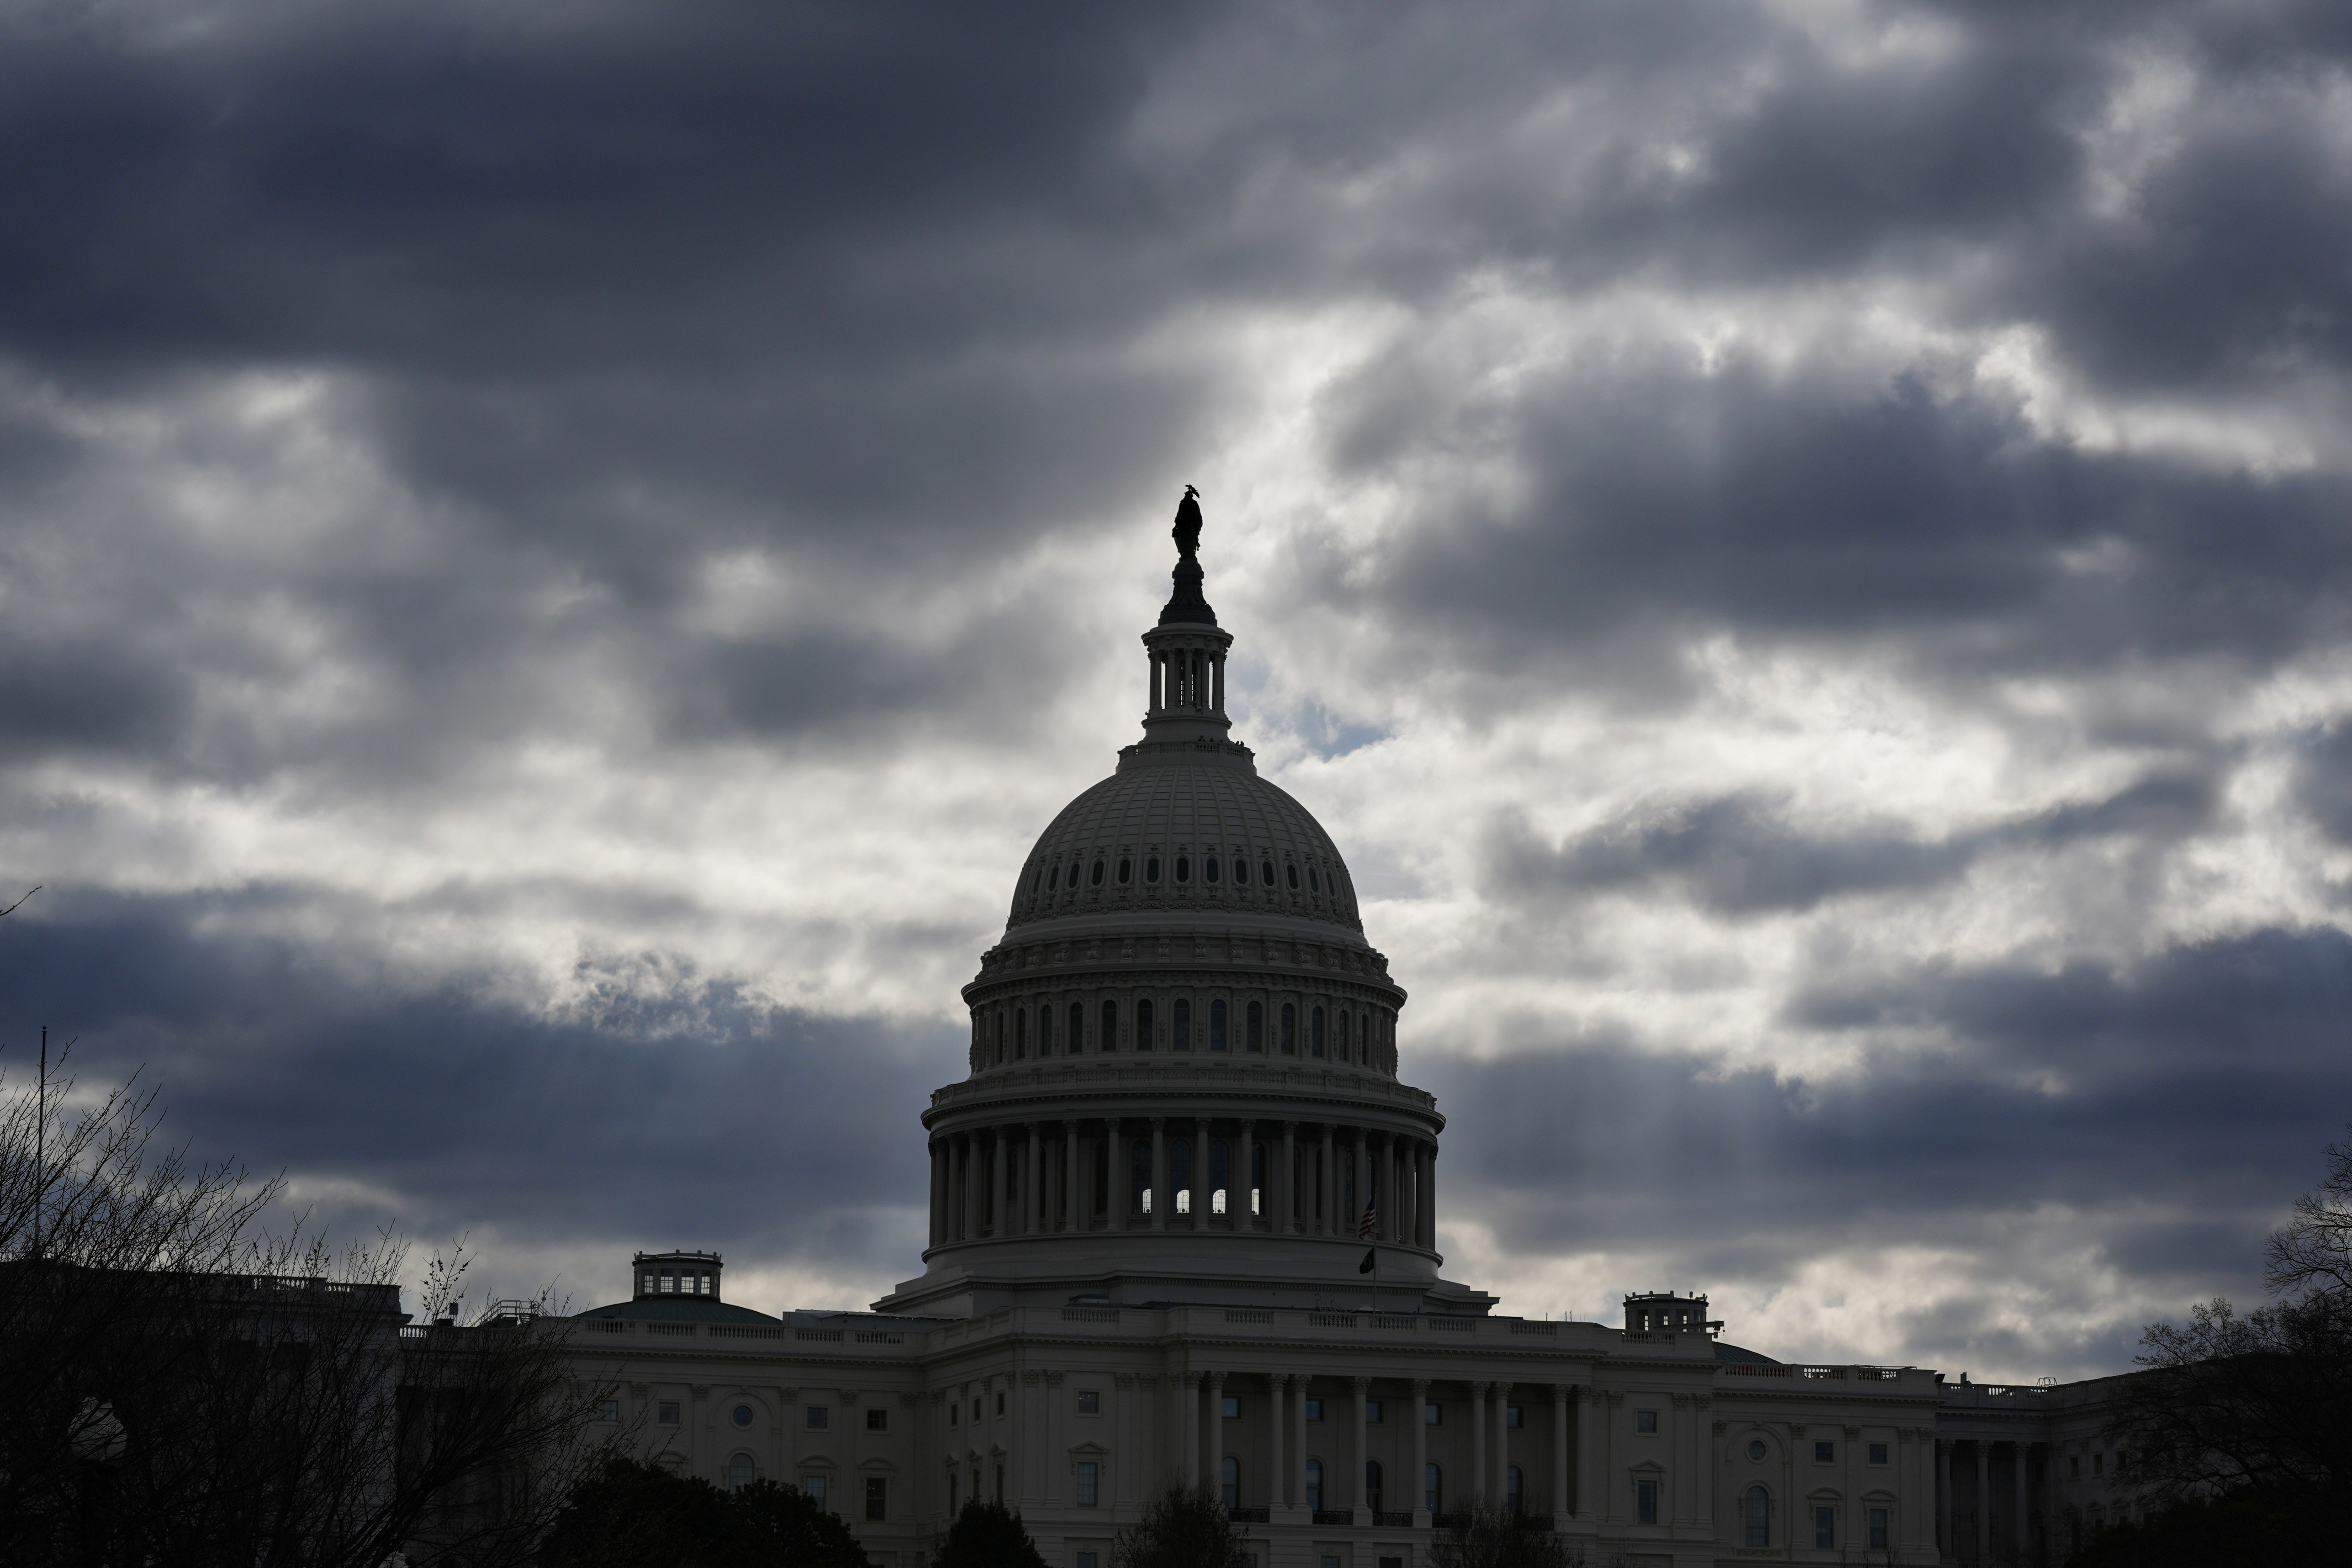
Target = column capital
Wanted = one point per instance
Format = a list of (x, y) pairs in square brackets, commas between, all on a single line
[(1216, 1378), (1479, 1389), (1420, 1387), (1363, 1386), (1560, 1391)]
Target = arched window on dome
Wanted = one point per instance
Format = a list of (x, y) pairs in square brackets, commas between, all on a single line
[(1289, 1030), (1217, 1025), (1220, 1174), (1052, 876), (1255, 1038), (1076, 1039), (1140, 1179), (1184, 868), (1126, 871), (1315, 1033), (1257, 1180), (1151, 868), (1020, 1033), (1002, 1030), (1291, 874), (1109, 1041), (1044, 1031), (1208, 867), (1179, 1173), (1179, 1025), (1345, 1039), (1094, 878), (1314, 883), (1102, 1178), (1071, 881), (1143, 1041)]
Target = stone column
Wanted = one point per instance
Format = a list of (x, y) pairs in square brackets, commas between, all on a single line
[(1361, 1498), (1159, 1173), (2021, 1529), (1298, 1440), (1277, 1480), (1477, 1477), (939, 1209), (1190, 1438), (975, 1186), (1392, 1227), (1685, 1464), (1215, 1447), (1114, 1153), (991, 1212), (1588, 1456), (1286, 1215), (1219, 704), (1943, 1498), (1069, 1220), (1329, 1198), (1418, 1497), (1612, 1492), (1032, 1201), (1498, 1478), (1201, 1188), (1560, 1511), (1708, 1430), (1429, 1200), (1984, 1498)]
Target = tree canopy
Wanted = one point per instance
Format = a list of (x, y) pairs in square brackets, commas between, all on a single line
[(988, 1535), (632, 1513), (1181, 1529)]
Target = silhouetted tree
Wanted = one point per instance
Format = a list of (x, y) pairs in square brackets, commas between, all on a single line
[(2244, 1417), (177, 1387), (629, 1515), (987, 1535), (1180, 1528), (1491, 1538)]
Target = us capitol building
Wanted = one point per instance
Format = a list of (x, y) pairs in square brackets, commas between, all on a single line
[(1183, 1137)]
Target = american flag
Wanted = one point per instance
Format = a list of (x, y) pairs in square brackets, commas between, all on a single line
[(1365, 1225)]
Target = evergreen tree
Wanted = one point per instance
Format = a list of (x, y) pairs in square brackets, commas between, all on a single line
[(1181, 1529), (988, 1535)]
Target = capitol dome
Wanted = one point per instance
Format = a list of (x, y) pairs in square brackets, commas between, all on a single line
[(1182, 1077)]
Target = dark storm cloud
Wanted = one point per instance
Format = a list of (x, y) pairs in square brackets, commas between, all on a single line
[(678, 1117), (1741, 855), (2189, 1095)]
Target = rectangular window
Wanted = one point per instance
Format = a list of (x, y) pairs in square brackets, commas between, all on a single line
[(1315, 1410), (1514, 1417), (1091, 1402), (818, 1417), (1371, 1411), (1086, 1560), (877, 1495), (1645, 1502), (999, 1401), (1878, 1453), (1646, 1421), (1824, 1453), (813, 1487), (2098, 1463), (1433, 1414), (955, 1411), (1878, 1530), (608, 1410), (2075, 1469), (1391, 1562), (1089, 1472), (1231, 1407), (878, 1420), (1824, 1529), (666, 1413)]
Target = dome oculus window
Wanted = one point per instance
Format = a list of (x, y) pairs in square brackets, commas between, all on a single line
[(1292, 872), (1126, 872), (1241, 872), (741, 1415), (1756, 1453), (1266, 872), (1073, 878), (1184, 868), (1209, 867), (1097, 878), (1313, 885), (1151, 868)]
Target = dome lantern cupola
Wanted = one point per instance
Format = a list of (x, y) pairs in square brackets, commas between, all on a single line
[(1185, 701)]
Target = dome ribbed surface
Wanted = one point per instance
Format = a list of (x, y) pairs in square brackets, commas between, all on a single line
[(1185, 815)]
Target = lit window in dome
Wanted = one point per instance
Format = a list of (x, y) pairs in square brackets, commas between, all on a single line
[(1209, 868), (1126, 871), (1097, 878), (1151, 868), (1293, 873), (1265, 871), (1241, 871), (1184, 868)]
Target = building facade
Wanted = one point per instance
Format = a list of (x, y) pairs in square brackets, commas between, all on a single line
[(1183, 1225)]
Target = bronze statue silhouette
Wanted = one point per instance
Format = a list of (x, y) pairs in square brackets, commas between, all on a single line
[(1187, 531)]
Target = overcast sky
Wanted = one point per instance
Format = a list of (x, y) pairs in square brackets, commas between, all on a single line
[(555, 558)]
